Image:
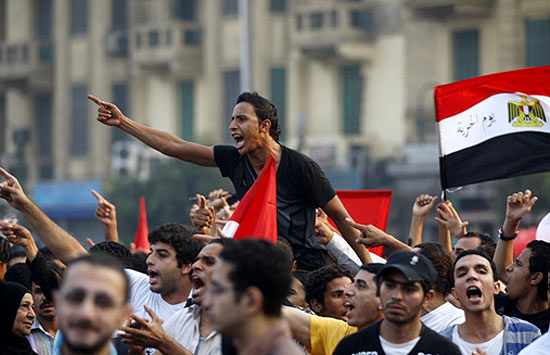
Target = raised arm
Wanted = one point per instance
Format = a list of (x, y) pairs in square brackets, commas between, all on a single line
[(422, 205), (164, 142), (61, 243), (372, 237), (106, 214), (518, 206), (447, 215), (337, 212)]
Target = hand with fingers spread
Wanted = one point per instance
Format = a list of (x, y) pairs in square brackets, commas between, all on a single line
[(449, 217), (203, 216), (518, 205), (20, 235), (423, 204), (106, 214), (11, 191), (107, 112)]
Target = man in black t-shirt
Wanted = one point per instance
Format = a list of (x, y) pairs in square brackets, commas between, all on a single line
[(404, 285), (301, 185)]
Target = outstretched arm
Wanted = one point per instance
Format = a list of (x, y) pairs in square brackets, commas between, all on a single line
[(373, 237), (422, 205), (106, 214), (61, 243), (518, 206), (164, 142), (299, 324)]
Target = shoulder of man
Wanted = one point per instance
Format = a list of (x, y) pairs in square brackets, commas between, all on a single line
[(435, 341), (516, 325), (359, 341)]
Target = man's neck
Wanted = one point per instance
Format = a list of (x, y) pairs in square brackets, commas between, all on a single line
[(437, 301), (531, 303), (400, 333), (258, 158), (480, 326), (49, 325), (206, 326), (252, 330), (179, 295), (379, 316), (105, 350)]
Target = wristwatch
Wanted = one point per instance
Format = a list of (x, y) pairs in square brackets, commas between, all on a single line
[(506, 238)]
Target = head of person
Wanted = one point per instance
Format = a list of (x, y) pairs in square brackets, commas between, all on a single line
[(475, 281), (203, 266), (139, 261), (442, 261), (44, 307), (529, 271), (17, 255), (19, 273), (325, 290), (474, 240), (297, 292), (5, 255), (249, 284), (404, 286), (361, 301), (254, 118), (173, 250), (92, 302), (287, 248), (117, 250), (16, 317)]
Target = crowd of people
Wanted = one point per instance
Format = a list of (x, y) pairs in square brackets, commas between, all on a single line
[(318, 291)]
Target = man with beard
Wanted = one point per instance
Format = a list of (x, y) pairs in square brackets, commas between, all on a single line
[(301, 184), (91, 304), (320, 335), (484, 331), (45, 324), (404, 286)]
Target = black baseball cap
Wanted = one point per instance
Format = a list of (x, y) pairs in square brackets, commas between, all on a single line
[(415, 267)]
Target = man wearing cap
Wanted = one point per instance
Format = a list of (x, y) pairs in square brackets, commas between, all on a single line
[(404, 286)]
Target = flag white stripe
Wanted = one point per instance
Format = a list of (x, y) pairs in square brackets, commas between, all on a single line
[(230, 228), (483, 121)]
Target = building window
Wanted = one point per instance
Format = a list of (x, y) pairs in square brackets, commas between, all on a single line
[(79, 121), (192, 37), (120, 98), (230, 7), (316, 20), (231, 90), (187, 110), (351, 97), (334, 18), (79, 17), (537, 42), (184, 9), (277, 77), (361, 19), (43, 113), (153, 37), (43, 30), (119, 15), (3, 19), (277, 6), (465, 54), (299, 22), (2, 123)]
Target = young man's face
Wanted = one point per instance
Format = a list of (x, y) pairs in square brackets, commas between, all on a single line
[(44, 308), (474, 285), (202, 268), (333, 305), (246, 128), (163, 270), (221, 304), (519, 275), (463, 244), (401, 299), (91, 306), (361, 300), (297, 293)]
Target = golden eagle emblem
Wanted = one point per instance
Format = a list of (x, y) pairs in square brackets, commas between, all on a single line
[(525, 113)]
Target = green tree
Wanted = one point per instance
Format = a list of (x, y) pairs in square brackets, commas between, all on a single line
[(166, 193)]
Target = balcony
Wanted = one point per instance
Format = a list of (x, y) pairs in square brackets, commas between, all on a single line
[(173, 47), (448, 8), (324, 28), (26, 62)]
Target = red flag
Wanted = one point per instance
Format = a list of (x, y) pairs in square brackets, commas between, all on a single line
[(141, 240), (368, 207), (256, 214)]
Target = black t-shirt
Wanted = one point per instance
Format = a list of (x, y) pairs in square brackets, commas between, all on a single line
[(505, 306), (367, 341), (301, 188)]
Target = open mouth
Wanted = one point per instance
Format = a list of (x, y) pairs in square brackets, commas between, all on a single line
[(348, 306), (473, 293), (198, 283), (153, 276), (239, 140)]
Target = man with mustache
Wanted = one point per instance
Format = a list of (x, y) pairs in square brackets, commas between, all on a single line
[(45, 324), (404, 286)]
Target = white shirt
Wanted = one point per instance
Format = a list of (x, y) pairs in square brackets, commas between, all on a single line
[(398, 349), (183, 327), (40, 340), (541, 346), (141, 294), (493, 346), (443, 317)]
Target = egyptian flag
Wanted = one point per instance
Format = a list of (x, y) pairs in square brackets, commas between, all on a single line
[(493, 126), (141, 241), (256, 215)]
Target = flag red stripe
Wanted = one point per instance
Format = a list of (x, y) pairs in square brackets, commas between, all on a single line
[(452, 99)]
